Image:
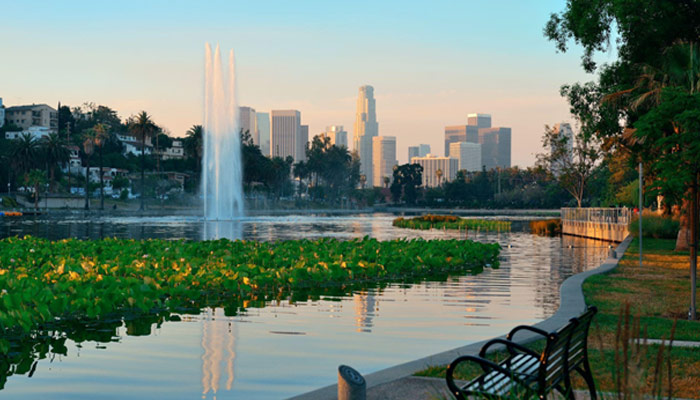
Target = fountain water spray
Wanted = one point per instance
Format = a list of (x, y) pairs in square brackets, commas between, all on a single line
[(222, 168)]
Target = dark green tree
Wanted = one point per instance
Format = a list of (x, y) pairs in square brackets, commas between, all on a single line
[(408, 178), (143, 127)]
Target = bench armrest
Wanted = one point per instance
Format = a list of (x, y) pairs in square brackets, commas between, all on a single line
[(526, 328), (510, 346), (486, 365)]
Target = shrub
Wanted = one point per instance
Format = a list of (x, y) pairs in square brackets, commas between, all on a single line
[(655, 226), (547, 227)]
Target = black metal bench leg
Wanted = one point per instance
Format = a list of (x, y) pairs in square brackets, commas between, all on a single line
[(566, 391), (588, 376)]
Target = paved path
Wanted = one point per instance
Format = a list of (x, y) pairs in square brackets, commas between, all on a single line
[(390, 380)]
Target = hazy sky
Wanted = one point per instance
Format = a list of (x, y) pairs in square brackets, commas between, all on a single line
[(431, 63)]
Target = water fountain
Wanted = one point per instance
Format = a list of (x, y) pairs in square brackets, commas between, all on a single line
[(222, 167)]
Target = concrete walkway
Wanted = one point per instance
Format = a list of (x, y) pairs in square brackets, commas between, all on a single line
[(388, 383)]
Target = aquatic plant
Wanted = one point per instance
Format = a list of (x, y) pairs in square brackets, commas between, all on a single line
[(547, 227), (430, 221), (48, 281)]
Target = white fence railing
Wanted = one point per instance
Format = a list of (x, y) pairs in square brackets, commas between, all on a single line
[(617, 216)]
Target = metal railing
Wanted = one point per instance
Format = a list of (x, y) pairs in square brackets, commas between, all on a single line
[(617, 216)]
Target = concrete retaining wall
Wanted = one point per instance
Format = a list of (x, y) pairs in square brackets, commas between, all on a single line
[(595, 230)]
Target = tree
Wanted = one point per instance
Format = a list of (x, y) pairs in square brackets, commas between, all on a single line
[(101, 136), (142, 126), (573, 165), (25, 151), (438, 175), (407, 179), (194, 145), (55, 152), (89, 141), (36, 179)]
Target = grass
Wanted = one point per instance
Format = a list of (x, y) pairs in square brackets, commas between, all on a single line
[(636, 302)]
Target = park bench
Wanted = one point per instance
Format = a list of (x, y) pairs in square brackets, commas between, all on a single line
[(526, 373)]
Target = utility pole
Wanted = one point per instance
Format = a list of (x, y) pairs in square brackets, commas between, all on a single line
[(641, 207)]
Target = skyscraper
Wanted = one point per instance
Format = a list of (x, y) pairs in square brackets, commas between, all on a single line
[(383, 159), (249, 122), (479, 120), (468, 154), (301, 143), (431, 164), (421, 150), (366, 127), (263, 126), (286, 131), (460, 133), (337, 135)]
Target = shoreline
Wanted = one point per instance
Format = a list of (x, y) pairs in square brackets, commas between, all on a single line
[(571, 304)]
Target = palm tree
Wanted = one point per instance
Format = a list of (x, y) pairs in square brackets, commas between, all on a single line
[(89, 141), (101, 136), (35, 178), (24, 153), (194, 144), (142, 126), (56, 152), (363, 180), (438, 174), (387, 180)]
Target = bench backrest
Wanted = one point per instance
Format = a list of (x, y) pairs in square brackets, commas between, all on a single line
[(554, 362), (578, 346)]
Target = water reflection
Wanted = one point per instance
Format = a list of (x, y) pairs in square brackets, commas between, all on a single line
[(293, 344)]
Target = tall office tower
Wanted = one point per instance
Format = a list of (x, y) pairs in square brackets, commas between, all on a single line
[(366, 127), (263, 126), (2, 114), (301, 141), (421, 150), (285, 132), (563, 129), (460, 133), (383, 159), (431, 164), (479, 120), (468, 154), (337, 135), (248, 122), (495, 147)]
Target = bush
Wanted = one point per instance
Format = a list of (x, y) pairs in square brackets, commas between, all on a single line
[(547, 227), (9, 202), (655, 226)]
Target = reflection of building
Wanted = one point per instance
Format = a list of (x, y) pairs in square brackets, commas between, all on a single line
[(218, 345), (365, 307)]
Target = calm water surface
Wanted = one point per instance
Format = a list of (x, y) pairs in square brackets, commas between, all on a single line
[(287, 348)]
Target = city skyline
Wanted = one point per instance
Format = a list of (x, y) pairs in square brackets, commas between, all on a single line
[(418, 96)]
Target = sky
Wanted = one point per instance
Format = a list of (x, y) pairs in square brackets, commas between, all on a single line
[(430, 63)]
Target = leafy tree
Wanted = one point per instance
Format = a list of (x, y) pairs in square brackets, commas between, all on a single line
[(407, 180), (101, 136), (90, 138), (194, 144), (572, 165), (142, 126)]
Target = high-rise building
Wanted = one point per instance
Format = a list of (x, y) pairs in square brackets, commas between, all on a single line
[(421, 150), (35, 115), (383, 159), (285, 132), (564, 130), (2, 114), (495, 147), (479, 120), (431, 164), (460, 133), (366, 127), (337, 135), (468, 154), (263, 126), (301, 142), (249, 122)]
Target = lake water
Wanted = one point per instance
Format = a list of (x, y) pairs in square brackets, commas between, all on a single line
[(287, 348)]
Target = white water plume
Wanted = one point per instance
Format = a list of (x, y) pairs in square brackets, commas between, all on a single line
[(222, 167)]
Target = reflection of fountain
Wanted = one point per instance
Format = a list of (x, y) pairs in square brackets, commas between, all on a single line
[(213, 230), (221, 162), (216, 337)]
